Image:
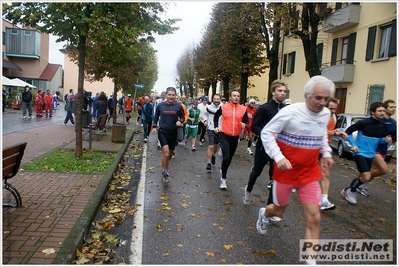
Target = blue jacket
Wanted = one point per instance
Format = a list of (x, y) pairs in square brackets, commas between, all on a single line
[(147, 111)]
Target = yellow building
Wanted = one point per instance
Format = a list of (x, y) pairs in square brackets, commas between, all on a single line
[(357, 42), (71, 72)]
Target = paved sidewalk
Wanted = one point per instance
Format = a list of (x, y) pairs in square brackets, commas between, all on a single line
[(57, 208)]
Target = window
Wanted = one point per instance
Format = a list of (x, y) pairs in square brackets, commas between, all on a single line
[(384, 42), (289, 63), (375, 93), (319, 53), (344, 55), (347, 49), (27, 33), (385, 45)]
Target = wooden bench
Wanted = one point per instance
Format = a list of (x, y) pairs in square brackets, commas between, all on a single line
[(12, 157), (98, 127)]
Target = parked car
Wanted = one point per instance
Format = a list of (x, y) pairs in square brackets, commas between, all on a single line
[(342, 146)]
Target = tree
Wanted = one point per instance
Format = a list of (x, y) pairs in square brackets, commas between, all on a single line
[(77, 23), (271, 16), (310, 18)]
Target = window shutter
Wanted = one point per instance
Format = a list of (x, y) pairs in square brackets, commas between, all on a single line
[(319, 54), (351, 48), (285, 64), (334, 52), (392, 43), (293, 62), (370, 43)]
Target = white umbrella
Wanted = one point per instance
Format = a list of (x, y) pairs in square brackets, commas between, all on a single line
[(6, 81), (21, 83)]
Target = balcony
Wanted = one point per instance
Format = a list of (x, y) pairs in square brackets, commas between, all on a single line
[(342, 18), (22, 43), (343, 73)]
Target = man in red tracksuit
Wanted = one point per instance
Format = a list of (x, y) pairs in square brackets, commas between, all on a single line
[(48, 101), (39, 103)]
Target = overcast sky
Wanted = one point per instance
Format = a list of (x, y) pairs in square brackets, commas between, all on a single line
[(194, 14)]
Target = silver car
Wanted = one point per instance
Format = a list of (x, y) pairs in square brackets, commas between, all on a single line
[(341, 145)]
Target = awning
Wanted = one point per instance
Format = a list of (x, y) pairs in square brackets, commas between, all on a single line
[(21, 83), (10, 65)]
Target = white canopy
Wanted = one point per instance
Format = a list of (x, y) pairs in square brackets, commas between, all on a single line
[(6, 81), (18, 82)]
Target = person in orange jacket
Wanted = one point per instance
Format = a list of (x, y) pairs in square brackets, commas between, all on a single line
[(48, 101)]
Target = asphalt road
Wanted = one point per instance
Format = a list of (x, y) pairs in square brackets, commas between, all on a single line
[(191, 221)]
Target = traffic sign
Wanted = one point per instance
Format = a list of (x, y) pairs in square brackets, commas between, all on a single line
[(140, 86)]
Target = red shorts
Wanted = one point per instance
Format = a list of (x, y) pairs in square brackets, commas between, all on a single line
[(308, 193), (382, 155)]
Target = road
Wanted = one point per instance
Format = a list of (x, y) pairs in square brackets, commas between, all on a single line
[(191, 221)]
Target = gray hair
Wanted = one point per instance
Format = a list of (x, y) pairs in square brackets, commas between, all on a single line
[(318, 79)]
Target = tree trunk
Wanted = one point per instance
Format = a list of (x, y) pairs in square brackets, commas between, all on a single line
[(114, 114), (79, 103), (226, 86), (244, 87), (273, 57), (214, 85)]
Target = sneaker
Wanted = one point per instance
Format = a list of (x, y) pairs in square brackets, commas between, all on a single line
[(202, 140), (193, 148), (223, 184), (145, 140), (24, 117), (253, 144), (208, 167), (51, 116), (30, 117), (275, 219), (64, 124), (249, 151), (173, 155), (262, 222), (349, 195), (200, 143), (327, 205), (185, 142), (269, 185), (363, 190), (165, 175), (247, 196), (213, 160)]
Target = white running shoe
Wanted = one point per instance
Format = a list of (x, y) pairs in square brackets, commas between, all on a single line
[(262, 222), (349, 195), (327, 205), (223, 184), (275, 219), (249, 151), (247, 196)]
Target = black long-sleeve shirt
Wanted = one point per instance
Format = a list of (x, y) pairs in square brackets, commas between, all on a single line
[(264, 114)]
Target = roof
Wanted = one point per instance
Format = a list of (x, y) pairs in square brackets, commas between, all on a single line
[(49, 72)]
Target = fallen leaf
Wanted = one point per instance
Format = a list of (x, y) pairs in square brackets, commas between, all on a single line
[(210, 254), (48, 251), (227, 247), (184, 206)]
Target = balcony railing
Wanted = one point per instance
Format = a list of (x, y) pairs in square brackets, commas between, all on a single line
[(342, 18), (343, 73)]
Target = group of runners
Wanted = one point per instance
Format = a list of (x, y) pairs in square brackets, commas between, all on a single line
[(292, 138)]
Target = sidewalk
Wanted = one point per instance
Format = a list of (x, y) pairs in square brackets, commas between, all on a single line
[(57, 208)]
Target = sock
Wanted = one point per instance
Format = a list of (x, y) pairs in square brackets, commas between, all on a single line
[(355, 184), (249, 143), (324, 197)]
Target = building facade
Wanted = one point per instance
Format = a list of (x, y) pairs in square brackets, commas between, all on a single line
[(25, 55), (357, 45)]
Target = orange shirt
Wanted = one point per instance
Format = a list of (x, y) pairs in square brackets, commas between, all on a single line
[(128, 104), (331, 126)]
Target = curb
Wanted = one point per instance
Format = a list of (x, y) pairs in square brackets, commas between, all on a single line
[(67, 252)]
